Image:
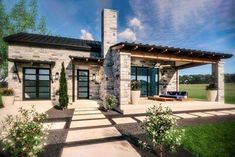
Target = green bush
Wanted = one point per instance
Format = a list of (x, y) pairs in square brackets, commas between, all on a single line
[(161, 129), (135, 85), (63, 90), (110, 102), (7, 92), (23, 135)]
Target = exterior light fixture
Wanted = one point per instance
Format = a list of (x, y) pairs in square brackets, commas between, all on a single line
[(93, 77), (56, 76), (14, 74)]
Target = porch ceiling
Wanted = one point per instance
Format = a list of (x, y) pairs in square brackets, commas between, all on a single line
[(170, 53)]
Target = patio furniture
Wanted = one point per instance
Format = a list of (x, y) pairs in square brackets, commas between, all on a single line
[(158, 98), (178, 95)]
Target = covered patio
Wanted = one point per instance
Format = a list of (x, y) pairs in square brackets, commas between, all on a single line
[(162, 66)]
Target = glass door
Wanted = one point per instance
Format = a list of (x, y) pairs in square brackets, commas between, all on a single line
[(83, 84), (36, 84), (148, 78)]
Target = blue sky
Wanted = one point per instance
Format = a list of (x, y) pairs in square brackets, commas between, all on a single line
[(196, 24)]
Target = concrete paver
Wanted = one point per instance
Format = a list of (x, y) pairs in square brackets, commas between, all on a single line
[(88, 116), (141, 118), (55, 125), (216, 113), (201, 114), (92, 134), (115, 149), (123, 120), (228, 111), (89, 123), (185, 115)]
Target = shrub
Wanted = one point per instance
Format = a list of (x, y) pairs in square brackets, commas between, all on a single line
[(161, 129), (23, 135), (110, 102), (211, 86), (7, 92), (135, 85), (63, 90)]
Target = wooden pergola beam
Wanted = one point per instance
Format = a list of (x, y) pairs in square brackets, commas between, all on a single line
[(189, 65), (169, 57)]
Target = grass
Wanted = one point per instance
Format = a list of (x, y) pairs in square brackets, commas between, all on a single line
[(198, 91), (210, 140)]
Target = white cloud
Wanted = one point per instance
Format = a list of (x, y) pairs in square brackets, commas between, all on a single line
[(135, 22), (127, 35), (86, 35)]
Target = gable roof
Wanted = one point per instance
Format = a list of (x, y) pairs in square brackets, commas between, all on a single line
[(131, 47), (53, 41)]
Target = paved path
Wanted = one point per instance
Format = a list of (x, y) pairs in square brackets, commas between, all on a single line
[(91, 134)]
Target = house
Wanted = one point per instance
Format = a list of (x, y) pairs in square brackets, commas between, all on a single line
[(96, 69)]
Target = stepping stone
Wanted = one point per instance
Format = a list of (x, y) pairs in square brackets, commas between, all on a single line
[(87, 112), (89, 116), (228, 111), (185, 115), (201, 114), (87, 109), (55, 125), (217, 113), (141, 118), (123, 120), (89, 123), (92, 134), (115, 149)]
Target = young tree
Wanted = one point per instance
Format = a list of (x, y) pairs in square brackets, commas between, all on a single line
[(63, 90), (22, 17)]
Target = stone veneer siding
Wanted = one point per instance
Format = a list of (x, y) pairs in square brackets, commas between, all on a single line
[(218, 76), (49, 54)]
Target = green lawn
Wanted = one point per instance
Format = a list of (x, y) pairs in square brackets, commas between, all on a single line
[(210, 140), (198, 91)]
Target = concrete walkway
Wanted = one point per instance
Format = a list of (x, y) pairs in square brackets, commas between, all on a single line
[(91, 134)]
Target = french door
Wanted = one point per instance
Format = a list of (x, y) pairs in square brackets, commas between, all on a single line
[(83, 84), (148, 78), (36, 84)]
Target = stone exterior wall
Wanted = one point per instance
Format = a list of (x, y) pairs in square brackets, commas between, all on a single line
[(218, 79), (49, 54), (168, 80)]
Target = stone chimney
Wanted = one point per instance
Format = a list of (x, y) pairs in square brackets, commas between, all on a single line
[(108, 30)]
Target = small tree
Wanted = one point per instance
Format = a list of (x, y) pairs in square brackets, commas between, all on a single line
[(63, 90), (162, 130)]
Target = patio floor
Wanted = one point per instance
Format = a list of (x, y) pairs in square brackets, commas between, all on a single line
[(176, 106)]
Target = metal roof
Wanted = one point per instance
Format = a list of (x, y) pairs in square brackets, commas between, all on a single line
[(169, 50), (54, 41)]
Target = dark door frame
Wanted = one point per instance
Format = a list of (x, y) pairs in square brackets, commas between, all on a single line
[(37, 84), (88, 84)]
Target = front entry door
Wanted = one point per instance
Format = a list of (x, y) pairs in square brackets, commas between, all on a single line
[(83, 84)]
